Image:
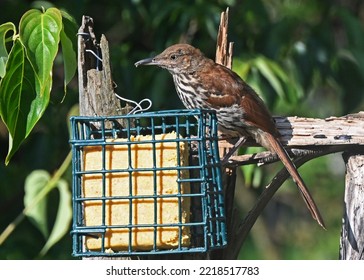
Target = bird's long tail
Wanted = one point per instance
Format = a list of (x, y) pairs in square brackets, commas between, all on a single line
[(276, 146)]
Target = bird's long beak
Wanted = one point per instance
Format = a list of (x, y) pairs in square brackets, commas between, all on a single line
[(146, 61)]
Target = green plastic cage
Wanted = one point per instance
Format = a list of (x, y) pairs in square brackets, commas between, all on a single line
[(147, 183)]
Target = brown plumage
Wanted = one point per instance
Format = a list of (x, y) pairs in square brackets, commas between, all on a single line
[(202, 83)]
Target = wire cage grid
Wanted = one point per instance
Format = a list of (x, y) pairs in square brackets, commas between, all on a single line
[(205, 225)]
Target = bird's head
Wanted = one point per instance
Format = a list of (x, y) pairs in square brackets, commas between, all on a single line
[(177, 59)]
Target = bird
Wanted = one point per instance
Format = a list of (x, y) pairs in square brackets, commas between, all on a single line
[(201, 83)]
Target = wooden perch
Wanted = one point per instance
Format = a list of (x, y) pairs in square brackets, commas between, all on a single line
[(309, 135), (347, 130)]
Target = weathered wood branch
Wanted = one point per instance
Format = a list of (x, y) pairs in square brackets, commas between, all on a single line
[(96, 87), (309, 135), (224, 49), (344, 130)]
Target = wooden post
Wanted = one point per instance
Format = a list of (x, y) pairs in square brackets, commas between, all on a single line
[(352, 234), (96, 90)]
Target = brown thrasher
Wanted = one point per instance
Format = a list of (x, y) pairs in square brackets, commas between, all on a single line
[(202, 83)]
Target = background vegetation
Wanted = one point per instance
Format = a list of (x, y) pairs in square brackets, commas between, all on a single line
[(305, 58)]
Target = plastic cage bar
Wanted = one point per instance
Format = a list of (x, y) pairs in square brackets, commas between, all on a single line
[(147, 183)]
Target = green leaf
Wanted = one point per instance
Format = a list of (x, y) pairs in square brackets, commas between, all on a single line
[(40, 34), (268, 72), (13, 104), (25, 88), (64, 216), (37, 186), (69, 47), (37, 213), (39, 103), (4, 29), (22, 100)]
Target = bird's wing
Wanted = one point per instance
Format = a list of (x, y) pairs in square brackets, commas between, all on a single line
[(226, 88)]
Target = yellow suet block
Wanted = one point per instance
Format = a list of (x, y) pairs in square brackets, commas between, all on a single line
[(171, 210)]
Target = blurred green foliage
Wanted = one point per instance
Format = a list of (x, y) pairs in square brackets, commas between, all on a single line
[(305, 58)]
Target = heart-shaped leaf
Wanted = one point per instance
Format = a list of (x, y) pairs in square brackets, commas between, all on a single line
[(37, 186), (40, 33)]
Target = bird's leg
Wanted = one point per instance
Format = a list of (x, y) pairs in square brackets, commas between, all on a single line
[(236, 146)]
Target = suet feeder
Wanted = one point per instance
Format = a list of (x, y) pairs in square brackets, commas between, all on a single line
[(147, 183)]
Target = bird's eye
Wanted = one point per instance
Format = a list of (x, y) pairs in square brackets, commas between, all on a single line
[(173, 56)]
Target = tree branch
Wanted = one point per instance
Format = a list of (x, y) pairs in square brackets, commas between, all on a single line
[(240, 233)]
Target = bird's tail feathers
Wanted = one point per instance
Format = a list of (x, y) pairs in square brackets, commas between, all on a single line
[(276, 146)]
